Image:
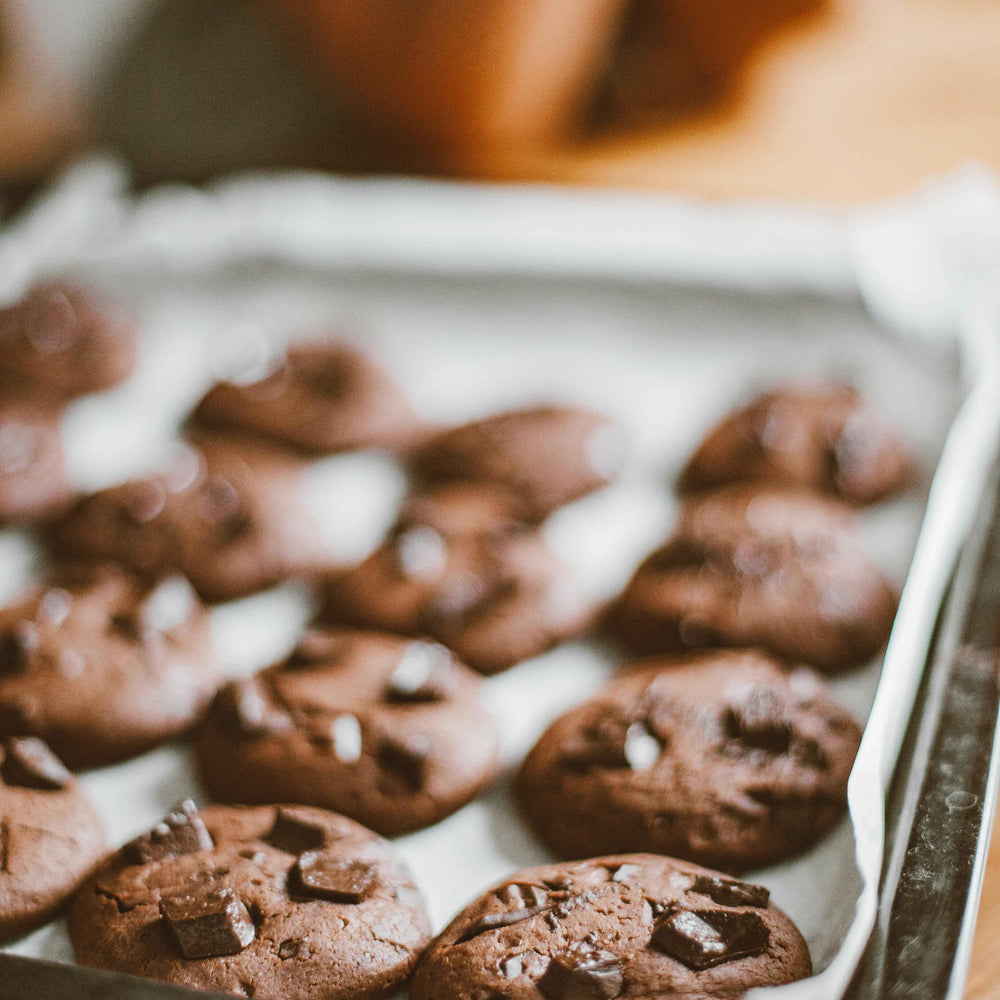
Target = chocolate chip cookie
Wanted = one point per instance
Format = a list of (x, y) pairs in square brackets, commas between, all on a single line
[(33, 483), (462, 509), (226, 514), (284, 901), (50, 835), (491, 591), (547, 455), (103, 666), (630, 925), (388, 731), (60, 341), (725, 759), (321, 396), (760, 568), (825, 438)]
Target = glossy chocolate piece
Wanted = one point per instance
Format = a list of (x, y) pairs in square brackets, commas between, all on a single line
[(321, 876), (208, 925), (29, 763), (182, 831)]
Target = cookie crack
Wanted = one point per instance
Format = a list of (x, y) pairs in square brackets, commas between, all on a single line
[(120, 904)]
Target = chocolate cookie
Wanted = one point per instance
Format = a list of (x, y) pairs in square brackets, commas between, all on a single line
[(631, 925), (462, 509), (323, 396), (781, 570), (286, 901), (226, 515), (547, 455), (724, 759), (388, 731), (33, 483), (102, 666), (824, 439), (50, 836), (60, 341), (491, 591)]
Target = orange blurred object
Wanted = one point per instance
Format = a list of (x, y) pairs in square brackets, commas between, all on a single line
[(678, 54), (459, 75), (40, 119)]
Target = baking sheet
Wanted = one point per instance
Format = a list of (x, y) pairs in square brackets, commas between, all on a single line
[(666, 359)]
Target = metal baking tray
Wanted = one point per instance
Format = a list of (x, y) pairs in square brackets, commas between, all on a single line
[(585, 297)]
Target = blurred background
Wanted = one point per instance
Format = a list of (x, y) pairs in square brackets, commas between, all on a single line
[(832, 101)]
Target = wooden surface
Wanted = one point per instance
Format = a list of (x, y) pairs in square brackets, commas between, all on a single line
[(984, 973)]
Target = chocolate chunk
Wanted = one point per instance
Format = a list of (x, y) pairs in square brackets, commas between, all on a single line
[(208, 925), (290, 948), (583, 972), (346, 737), (128, 624), (679, 553), (168, 605), (16, 648), (294, 836), (615, 742), (29, 763), (462, 596), (54, 606), (340, 881), (181, 832), (142, 501), (807, 751), (731, 892), (495, 921), (248, 711), (625, 873), (523, 894), (758, 720), (407, 759), (421, 554), (703, 938), (220, 500), (331, 380), (424, 673), (233, 528), (642, 748)]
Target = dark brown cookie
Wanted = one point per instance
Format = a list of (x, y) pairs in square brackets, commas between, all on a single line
[(760, 568), (491, 591), (33, 483), (60, 341), (630, 925), (323, 396), (226, 515), (388, 731), (724, 759), (547, 455), (824, 439), (102, 666), (286, 901), (50, 835), (461, 509)]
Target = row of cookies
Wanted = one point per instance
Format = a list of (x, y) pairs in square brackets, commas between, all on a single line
[(57, 344), (303, 904), (730, 750), (420, 552)]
